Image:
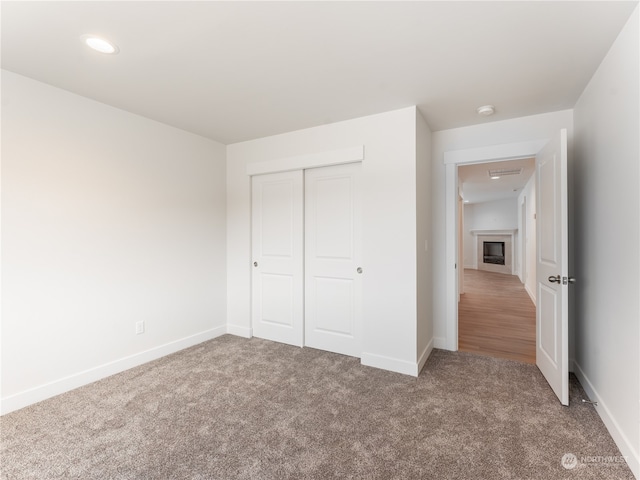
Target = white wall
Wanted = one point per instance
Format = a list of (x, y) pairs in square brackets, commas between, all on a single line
[(389, 227), (606, 181), (423, 211), (494, 215), (536, 127), (470, 255), (108, 218), (528, 197)]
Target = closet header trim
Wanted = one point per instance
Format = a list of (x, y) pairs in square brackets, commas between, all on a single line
[(311, 160)]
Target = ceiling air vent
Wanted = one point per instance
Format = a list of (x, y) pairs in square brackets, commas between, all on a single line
[(501, 172)]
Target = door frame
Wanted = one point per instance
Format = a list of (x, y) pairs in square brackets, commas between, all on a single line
[(522, 235), (453, 159)]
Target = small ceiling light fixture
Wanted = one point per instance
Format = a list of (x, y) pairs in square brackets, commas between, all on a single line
[(495, 178), (486, 110), (100, 44)]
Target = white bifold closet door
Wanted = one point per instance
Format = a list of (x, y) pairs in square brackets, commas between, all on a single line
[(277, 247), (333, 273), (313, 295)]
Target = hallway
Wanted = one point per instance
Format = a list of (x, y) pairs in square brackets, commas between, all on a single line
[(496, 317)]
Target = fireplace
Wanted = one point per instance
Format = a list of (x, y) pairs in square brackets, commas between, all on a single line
[(501, 245), (493, 252)]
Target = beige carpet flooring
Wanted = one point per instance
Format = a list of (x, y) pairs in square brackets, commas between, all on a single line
[(233, 408)]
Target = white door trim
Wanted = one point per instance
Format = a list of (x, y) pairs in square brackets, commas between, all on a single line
[(494, 153), (453, 158), (311, 160)]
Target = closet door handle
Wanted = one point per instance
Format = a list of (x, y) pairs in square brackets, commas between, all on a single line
[(255, 264), (359, 270)]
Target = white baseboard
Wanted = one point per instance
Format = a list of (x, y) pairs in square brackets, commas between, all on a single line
[(626, 448), (473, 266), (425, 355), (239, 331), (388, 363), (531, 295), (62, 385), (440, 342)]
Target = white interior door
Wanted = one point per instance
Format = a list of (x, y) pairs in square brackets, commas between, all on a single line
[(552, 325), (277, 257), (333, 273)]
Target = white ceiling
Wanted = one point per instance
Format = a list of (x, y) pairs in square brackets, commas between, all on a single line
[(234, 71), (476, 186)]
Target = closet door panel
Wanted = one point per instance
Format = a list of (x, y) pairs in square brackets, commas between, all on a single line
[(277, 257), (333, 236)]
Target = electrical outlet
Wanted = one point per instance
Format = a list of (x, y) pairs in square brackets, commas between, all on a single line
[(139, 328)]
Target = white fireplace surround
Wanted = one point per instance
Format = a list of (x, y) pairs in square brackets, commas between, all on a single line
[(506, 236)]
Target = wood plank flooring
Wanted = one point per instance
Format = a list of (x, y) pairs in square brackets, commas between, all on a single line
[(496, 317)]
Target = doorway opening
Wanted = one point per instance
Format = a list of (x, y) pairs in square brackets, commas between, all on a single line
[(496, 311), (551, 274)]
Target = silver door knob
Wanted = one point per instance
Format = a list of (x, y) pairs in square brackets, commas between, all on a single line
[(255, 264), (359, 270), (555, 279)]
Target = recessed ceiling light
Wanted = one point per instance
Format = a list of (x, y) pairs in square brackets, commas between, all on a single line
[(495, 178), (100, 44), (486, 110)]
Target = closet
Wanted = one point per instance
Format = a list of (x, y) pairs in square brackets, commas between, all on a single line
[(306, 258)]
